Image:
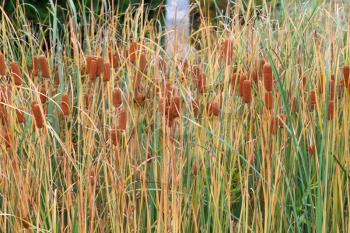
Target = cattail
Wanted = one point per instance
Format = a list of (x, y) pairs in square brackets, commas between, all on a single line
[(38, 115), (107, 72), (233, 80), (240, 85), (227, 47), (311, 149), (122, 120), (140, 96), (200, 79), (65, 104), (113, 59), (35, 65), (281, 120), (114, 137), (174, 109), (16, 73), (143, 62), (331, 89), (214, 108), (2, 64), (44, 67), (42, 94), (272, 125), (303, 80), (331, 110), (132, 51), (6, 138), (267, 77), (247, 91), (88, 97), (162, 105), (57, 78), (312, 99), (340, 87), (20, 115), (91, 66), (346, 73), (116, 97), (268, 100), (254, 75), (100, 67)]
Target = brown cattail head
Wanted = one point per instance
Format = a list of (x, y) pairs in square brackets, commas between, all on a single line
[(122, 120), (6, 138), (311, 149), (132, 52), (116, 97), (140, 96), (331, 110), (20, 115), (255, 76), (143, 62), (247, 91), (16, 73), (233, 80), (114, 136), (3, 67), (312, 99), (195, 107), (91, 66), (240, 85), (44, 67), (57, 78), (340, 87), (227, 50), (175, 107), (43, 94), (346, 73), (38, 115), (107, 72), (273, 122), (200, 79), (113, 59), (268, 100), (213, 108), (331, 89), (268, 82), (65, 104), (100, 67)]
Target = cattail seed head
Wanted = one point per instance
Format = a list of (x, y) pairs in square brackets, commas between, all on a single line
[(16, 73), (38, 115), (143, 62), (195, 108), (247, 91), (140, 96), (346, 73), (116, 97), (122, 120), (312, 99), (44, 67), (268, 100), (174, 109), (20, 115), (311, 149), (107, 72), (100, 67), (2, 64), (114, 137), (35, 66), (268, 81), (240, 85), (65, 104), (91, 66), (43, 94), (233, 81), (273, 122), (213, 108), (331, 110)]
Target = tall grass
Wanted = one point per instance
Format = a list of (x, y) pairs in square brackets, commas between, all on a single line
[(131, 139)]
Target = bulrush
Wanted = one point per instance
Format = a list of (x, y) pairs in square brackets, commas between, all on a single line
[(38, 115), (2, 64), (65, 104), (200, 79), (114, 137), (107, 72), (113, 59), (227, 50), (132, 51), (340, 87), (311, 149), (247, 91), (273, 122), (143, 62), (331, 110), (20, 115), (91, 66), (35, 65), (44, 67), (56, 78), (100, 67), (268, 82), (240, 85), (346, 73), (122, 120), (213, 108), (331, 89), (312, 99), (43, 94), (233, 80), (268, 100), (195, 107), (16, 73), (174, 108), (255, 76), (140, 96), (116, 97)]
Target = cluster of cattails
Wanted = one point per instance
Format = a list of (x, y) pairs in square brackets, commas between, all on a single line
[(169, 103), (97, 67), (199, 79), (136, 54), (268, 84)]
